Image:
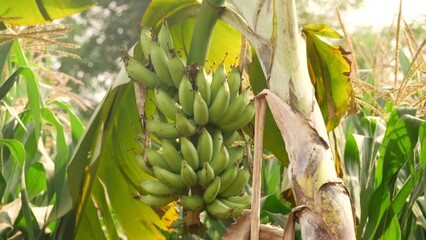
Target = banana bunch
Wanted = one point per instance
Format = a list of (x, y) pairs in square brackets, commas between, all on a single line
[(196, 120)]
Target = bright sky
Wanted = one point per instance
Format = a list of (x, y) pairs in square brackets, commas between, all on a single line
[(380, 13)]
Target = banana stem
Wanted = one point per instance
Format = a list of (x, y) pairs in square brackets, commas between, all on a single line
[(192, 218), (201, 37)]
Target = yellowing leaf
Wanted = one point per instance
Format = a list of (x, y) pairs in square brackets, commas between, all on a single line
[(329, 70), (170, 216), (30, 12)]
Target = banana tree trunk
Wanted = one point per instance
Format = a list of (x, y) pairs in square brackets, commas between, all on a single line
[(323, 204)]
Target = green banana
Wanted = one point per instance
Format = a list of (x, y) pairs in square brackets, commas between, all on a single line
[(236, 154), (171, 155), (220, 161), (201, 110), (165, 38), (157, 201), (143, 165), (189, 153), (192, 203), (230, 137), (228, 176), (218, 209), (220, 103), (155, 158), (162, 129), (205, 175), (235, 109), (176, 68), (157, 188), (160, 62), (205, 146), (209, 172), (243, 199), (238, 185), (138, 52), (202, 82), (218, 78), (188, 175), (186, 127), (186, 95), (217, 142), (243, 119), (234, 81), (139, 73), (145, 40), (237, 207), (165, 103), (169, 178), (212, 190)]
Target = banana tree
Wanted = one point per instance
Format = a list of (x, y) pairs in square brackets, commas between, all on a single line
[(104, 175)]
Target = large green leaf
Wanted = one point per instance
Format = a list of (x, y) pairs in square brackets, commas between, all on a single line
[(329, 69), (173, 10), (397, 149), (4, 53), (105, 160), (33, 92), (77, 126), (272, 140), (40, 11)]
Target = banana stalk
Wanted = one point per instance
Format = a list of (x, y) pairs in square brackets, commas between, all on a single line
[(314, 180), (200, 43)]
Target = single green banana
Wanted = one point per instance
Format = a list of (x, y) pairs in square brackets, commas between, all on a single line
[(186, 127), (234, 82), (205, 146), (157, 188), (243, 119), (165, 103), (143, 165), (228, 176), (218, 78), (165, 38), (218, 209), (171, 155), (188, 174), (145, 40), (139, 73), (186, 95), (205, 175), (220, 103), (236, 154), (238, 185), (160, 62), (155, 158), (202, 82), (217, 138), (235, 109), (244, 199), (162, 129), (193, 202), (189, 153), (176, 68), (201, 110), (138, 53), (230, 137), (169, 178), (220, 161), (237, 207), (157, 201), (212, 190)]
